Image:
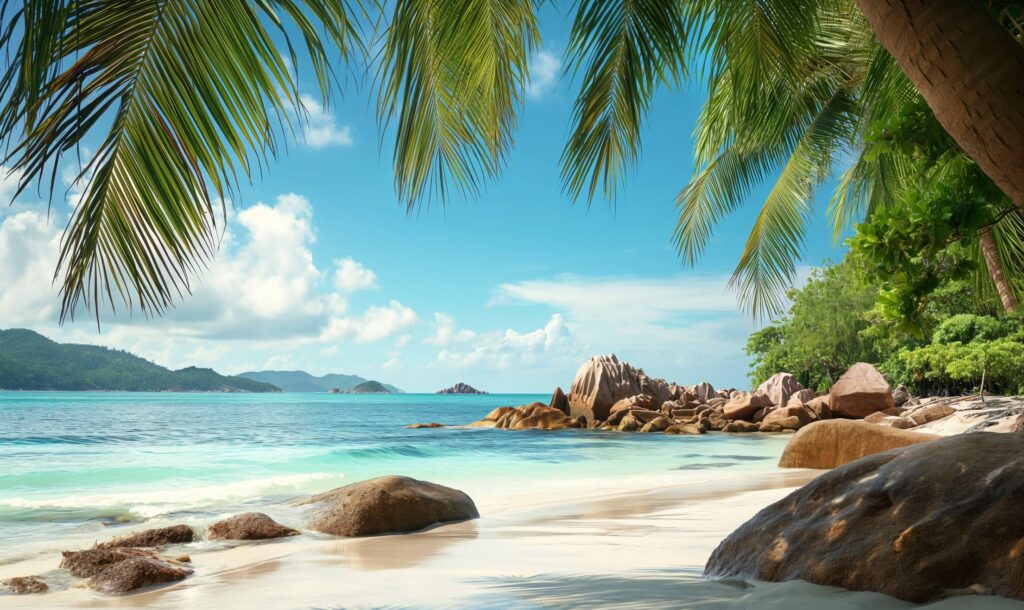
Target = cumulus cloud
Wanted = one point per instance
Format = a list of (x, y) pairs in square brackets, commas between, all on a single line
[(320, 129), (504, 349), (544, 68), (445, 331), (29, 246), (374, 324), (351, 276)]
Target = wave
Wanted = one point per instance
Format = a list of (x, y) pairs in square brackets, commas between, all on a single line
[(149, 504)]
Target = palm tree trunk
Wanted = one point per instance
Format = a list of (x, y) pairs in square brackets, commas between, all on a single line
[(995, 268), (971, 73)]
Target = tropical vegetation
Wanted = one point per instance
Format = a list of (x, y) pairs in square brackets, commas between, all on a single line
[(187, 98), (30, 361)]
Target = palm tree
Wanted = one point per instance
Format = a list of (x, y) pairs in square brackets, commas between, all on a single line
[(190, 97)]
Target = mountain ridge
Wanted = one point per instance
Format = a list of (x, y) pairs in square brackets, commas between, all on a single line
[(301, 381)]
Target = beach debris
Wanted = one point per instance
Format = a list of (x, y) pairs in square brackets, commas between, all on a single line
[(174, 534), (915, 523), (249, 526), (391, 504), (831, 443), (24, 585), (136, 573)]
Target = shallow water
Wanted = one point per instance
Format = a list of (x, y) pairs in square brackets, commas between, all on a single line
[(75, 465)]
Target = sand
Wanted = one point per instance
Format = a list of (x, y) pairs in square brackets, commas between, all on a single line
[(639, 543)]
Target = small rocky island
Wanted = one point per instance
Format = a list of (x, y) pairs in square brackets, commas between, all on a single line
[(367, 387), (460, 388)]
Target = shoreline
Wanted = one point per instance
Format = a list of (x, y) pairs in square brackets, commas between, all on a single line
[(639, 542)]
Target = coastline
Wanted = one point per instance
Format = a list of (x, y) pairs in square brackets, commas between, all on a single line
[(634, 542)]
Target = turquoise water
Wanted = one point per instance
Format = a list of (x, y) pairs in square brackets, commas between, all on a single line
[(71, 463)]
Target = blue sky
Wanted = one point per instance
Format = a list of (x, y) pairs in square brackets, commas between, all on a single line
[(322, 268)]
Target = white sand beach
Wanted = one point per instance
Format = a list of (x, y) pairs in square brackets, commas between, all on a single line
[(640, 542)]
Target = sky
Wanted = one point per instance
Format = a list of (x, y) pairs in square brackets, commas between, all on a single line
[(322, 269)]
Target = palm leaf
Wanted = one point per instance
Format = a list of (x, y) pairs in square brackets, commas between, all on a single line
[(453, 76), (624, 50), (192, 91)]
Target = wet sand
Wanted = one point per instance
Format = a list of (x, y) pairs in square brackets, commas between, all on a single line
[(640, 543)]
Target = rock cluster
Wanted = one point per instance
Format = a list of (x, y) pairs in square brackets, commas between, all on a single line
[(118, 568), (608, 394), (460, 388)]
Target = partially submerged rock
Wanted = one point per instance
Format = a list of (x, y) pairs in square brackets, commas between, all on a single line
[(860, 391), (418, 426), (91, 562), (174, 534), (392, 504), (24, 585), (834, 442), (915, 523), (136, 573), (249, 526)]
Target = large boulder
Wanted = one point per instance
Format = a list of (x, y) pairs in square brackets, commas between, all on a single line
[(249, 526), (600, 383), (800, 398), (391, 504), (788, 418), (819, 408), (136, 573), (744, 405), (704, 391), (917, 523), (834, 442), (779, 387), (174, 534), (861, 391)]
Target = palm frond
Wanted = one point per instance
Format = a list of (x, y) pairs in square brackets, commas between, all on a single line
[(196, 95), (624, 50), (453, 76)]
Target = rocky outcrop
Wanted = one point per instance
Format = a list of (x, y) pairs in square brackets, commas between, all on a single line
[(831, 443), (420, 425), (460, 388), (917, 523), (559, 401), (819, 407), (778, 388), (249, 526), (174, 534), (603, 380), (136, 573), (25, 585), (392, 504), (704, 392), (800, 398), (860, 391), (534, 416), (744, 404), (786, 418)]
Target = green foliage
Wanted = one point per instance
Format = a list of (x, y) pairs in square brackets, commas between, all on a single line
[(30, 361), (823, 333)]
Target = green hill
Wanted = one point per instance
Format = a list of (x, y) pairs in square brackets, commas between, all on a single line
[(370, 387), (30, 361), (301, 381)]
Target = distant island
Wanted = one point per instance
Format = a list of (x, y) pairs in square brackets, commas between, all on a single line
[(301, 381), (367, 387), (460, 388), (30, 361)]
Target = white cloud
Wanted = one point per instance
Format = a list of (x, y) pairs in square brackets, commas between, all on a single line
[(320, 129), (504, 349), (445, 331), (544, 68), (29, 246), (374, 324), (351, 276)]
